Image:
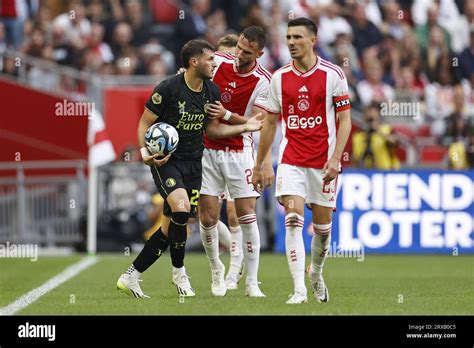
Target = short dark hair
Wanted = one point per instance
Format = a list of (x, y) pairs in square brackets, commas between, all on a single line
[(255, 34), (229, 40), (194, 48), (305, 22)]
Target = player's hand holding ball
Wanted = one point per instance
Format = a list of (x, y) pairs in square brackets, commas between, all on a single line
[(161, 140), (152, 160)]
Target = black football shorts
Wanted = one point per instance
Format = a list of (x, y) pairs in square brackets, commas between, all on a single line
[(176, 174)]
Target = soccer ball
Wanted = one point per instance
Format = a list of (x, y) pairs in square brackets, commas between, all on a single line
[(161, 138)]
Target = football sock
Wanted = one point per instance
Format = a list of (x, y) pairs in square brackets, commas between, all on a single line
[(251, 245), (177, 235), (154, 247), (210, 241), (319, 246), (224, 234), (236, 252), (295, 252)]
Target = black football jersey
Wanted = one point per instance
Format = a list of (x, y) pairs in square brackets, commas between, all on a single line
[(176, 104)]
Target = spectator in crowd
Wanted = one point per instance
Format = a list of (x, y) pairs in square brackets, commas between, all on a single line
[(470, 149), (136, 19), (466, 58), (373, 89), (439, 98), (192, 24), (365, 33), (407, 85), (37, 43), (122, 39), (153, 51), (460, 34), (63, 51), (436, 51), (423, 29), (331, 23), (74, 24), (393, 23), (445, 14), (457, 123), (98, 51), (218, 23), (375, 146)]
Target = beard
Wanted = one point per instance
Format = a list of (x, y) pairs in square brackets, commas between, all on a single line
[(204, 74)]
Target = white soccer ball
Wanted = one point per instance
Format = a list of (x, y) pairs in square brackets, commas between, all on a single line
[(161, 138)]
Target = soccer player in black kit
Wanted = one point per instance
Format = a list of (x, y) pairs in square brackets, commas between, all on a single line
[(180, 101)]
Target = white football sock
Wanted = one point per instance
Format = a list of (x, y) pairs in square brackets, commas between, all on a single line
[(250, 246), (295, 252), (210, 241), (236, 252), (319, 247), (224, 234)]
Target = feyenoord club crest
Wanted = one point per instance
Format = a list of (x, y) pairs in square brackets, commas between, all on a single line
[(226, 97), (303, 105)]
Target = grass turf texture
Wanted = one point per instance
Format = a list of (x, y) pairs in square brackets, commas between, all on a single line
[(381, 284)]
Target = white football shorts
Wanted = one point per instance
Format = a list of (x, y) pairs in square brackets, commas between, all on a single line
[(307, 183), (231, 168)]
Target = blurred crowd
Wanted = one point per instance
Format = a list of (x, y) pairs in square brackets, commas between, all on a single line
[(416, 52)]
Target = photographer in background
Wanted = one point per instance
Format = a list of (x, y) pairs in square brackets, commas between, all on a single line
[(375, 146)]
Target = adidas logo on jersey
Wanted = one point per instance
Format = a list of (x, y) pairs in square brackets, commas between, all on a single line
[(303, 89), (233, 84)]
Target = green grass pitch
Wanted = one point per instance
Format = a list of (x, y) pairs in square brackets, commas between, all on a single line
[(380, 285)]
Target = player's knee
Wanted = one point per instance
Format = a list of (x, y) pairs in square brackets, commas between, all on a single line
[(208, 217), (232, 217), (233, 220), (180, 218)]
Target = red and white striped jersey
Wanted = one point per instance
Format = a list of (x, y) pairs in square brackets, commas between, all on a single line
[(308, 103), (239, 94)]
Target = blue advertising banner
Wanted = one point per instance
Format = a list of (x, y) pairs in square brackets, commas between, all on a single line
[(409, 211)]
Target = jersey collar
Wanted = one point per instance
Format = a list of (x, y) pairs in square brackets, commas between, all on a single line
[(248, 73), (307, 73)]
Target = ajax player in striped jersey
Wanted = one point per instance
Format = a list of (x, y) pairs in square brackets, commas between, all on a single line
[(312, 96), (229, 162)]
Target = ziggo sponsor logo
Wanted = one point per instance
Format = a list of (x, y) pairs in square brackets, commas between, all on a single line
[(295, 122)]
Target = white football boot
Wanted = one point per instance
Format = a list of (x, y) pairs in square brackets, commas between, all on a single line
[(128, 283), (252, 290), (181, 281), (218, 283), (320, 290), (297, 298)]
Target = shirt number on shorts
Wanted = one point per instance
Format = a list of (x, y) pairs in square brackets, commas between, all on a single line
[(194, 197), (248, 175), (328, 188)]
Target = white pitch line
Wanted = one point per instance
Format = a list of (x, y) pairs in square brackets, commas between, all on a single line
[(54, 282)]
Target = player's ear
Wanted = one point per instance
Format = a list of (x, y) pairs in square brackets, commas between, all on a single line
[(193, 61), (259, 54), (314, 39)]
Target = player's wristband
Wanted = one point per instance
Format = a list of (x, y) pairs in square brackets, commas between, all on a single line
[(144, 151), (227, 115)]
